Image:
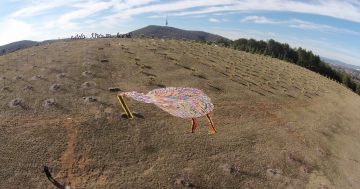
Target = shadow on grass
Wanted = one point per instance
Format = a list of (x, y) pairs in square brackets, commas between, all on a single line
[(135, 114), (51, 179)]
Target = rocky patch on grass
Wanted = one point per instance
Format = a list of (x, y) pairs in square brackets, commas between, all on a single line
[(88, 74), (28, 88), (17, 102), (55, 87), (274, 174), (50, 102), (228, 168), (184, 182), (6, 88), (18, 77), (90, 99), (88, 84), (37, 77), (61, 75)]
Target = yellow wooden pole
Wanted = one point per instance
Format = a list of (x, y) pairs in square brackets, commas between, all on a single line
[(125, 107)]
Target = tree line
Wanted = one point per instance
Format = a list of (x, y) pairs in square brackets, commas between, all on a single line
[(299, 56)]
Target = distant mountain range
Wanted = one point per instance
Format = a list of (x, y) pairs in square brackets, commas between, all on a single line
[(11, 47), (175, 33), (340, 63), (352, 70)]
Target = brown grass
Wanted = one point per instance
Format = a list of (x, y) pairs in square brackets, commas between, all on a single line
[(279, 124)]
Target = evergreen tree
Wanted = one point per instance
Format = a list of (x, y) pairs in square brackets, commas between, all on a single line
[(358, 88), (298, 56)]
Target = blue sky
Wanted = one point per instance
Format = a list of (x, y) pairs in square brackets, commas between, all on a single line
[(330, 28)]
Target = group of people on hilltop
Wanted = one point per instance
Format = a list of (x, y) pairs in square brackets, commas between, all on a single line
[(77, 36), (95, 35)]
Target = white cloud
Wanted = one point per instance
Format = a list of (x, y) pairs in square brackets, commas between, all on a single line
[(39, 7), (85, 10), (236, 33), (346, 9), (300, 24), (169, 7), (258, 20), (214, 20), (15, 30), (134, 3)]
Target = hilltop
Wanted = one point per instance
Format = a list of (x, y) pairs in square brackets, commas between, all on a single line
[(279, 125), (148, 31), (11, 47), (18, 45), (175, 33)]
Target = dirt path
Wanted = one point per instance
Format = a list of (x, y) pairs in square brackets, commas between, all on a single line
[(67, 159)]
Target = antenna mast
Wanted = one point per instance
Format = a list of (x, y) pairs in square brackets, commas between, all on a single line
[(166, 23)]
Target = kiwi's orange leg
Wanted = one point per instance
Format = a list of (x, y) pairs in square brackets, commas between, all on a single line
[(125, 107), (211, 123), (194, 124)]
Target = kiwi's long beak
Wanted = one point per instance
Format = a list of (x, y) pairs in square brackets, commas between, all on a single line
[(125, 107)]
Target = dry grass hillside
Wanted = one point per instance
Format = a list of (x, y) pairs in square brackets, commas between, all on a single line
[(279, 125)]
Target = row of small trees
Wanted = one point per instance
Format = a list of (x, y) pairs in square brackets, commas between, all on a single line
[(297, 56)]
